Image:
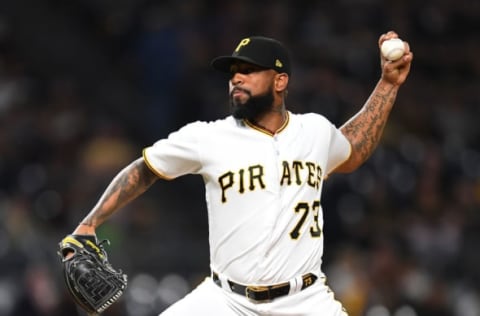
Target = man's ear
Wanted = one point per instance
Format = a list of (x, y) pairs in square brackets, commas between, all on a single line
[(281, 82)]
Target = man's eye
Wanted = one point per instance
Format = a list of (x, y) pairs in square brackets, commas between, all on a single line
[(243, 70), (248, 70)]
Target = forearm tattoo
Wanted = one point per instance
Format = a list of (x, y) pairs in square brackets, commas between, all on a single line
[(131, 182), (365, 129)]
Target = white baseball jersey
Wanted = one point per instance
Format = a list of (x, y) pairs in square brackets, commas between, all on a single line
[(262, 191)]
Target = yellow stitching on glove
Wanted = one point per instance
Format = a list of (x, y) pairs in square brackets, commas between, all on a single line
[(70, 239), (91, 244)]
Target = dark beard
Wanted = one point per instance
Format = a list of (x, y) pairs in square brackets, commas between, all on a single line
[(255, 106)]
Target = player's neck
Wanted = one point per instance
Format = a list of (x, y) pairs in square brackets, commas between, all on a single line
[(272, 120)]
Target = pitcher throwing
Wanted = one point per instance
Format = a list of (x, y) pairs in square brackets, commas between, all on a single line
[(263, 169)]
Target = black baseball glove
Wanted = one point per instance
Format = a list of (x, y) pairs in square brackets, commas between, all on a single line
[(93, 283)]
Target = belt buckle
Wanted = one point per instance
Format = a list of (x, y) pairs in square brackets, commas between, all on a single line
[(308, 280), (252, 289)]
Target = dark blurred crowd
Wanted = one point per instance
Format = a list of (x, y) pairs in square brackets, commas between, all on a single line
[(85, 85)]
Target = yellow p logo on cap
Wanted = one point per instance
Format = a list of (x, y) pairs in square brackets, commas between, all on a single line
[(243, 42)]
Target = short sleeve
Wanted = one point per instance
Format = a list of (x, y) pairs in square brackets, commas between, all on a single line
[(339, 151), (176, 155)]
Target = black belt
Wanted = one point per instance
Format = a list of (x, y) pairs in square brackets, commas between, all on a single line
[(264, 293)]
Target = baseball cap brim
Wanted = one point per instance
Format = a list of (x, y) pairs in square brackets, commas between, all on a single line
[(224, 63)]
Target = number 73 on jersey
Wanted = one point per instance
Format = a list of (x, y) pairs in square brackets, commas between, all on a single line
[(304, 209)]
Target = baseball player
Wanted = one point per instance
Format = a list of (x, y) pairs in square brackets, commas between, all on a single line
[(263, 169)]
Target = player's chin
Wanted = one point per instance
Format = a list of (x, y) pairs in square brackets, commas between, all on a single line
[(241, 111), (238, 102), (239, 105), (238, 99)]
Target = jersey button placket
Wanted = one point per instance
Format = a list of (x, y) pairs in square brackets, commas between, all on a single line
[(276, 159), (276, 145)]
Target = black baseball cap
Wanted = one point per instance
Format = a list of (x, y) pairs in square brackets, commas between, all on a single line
[(258, 50)]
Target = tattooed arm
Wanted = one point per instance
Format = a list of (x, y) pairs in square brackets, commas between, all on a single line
[(129, 183), (365, 128)]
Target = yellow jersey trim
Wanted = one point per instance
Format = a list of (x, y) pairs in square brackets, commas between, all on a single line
[(262, 130), (152, 168)]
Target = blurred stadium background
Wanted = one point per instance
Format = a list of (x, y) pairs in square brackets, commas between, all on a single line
[(86, 84)]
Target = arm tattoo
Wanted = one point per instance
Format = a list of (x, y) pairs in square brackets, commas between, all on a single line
[(365, 129), (129, 183)]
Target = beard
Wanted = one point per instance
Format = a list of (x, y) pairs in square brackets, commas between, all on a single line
[(253, 107)]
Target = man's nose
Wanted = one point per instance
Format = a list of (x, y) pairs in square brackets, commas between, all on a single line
[(237, 78)]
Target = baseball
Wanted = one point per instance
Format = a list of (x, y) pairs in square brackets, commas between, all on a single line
[(393, 49)]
